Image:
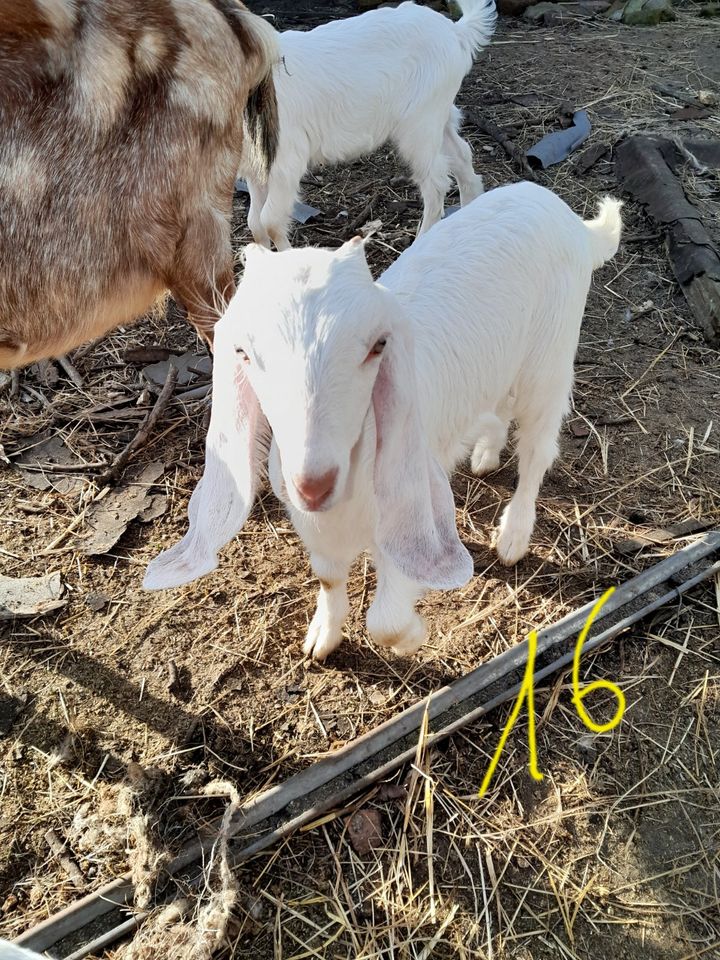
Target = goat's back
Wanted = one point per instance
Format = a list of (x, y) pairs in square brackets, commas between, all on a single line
[(495, 294)]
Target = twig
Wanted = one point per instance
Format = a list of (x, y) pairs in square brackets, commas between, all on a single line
[(355, 224), (71, 372), (671, 91), (146, 428), (58, 849), (173, 678), (499, 136)]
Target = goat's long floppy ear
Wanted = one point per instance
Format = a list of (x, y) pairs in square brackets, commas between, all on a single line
[(223, 498), (416, 511)]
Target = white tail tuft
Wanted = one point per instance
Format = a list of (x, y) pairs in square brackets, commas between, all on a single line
[(477, 24), (605, 231)]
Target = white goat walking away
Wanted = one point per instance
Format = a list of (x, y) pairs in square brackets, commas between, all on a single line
[(349, 86), (374, 391)]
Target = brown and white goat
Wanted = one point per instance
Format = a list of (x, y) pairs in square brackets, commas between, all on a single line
[(121, 130)]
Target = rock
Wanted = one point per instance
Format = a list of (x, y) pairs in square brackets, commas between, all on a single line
[(537, 13), (97, 601), (642, 13), (368, 4), (10, 708), (591, 8), (707, 98), (365, 830), (30, 596), (552, 14)]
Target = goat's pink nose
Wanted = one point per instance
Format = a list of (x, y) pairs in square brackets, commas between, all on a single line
[(314, 491)]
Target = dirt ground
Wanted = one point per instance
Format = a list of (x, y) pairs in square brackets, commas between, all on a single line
[(122, 706)]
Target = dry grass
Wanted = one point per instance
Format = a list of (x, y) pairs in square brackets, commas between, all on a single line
[(616, 850)]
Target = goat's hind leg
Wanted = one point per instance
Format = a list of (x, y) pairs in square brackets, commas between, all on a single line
[(429, 167), (459, 154), (392, 620), (258, 195), (282, 192)]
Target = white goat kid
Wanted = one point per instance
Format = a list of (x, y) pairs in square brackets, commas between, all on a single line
[(349, 86), (375, 391)]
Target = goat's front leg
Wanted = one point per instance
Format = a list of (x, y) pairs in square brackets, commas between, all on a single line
[(332, 550), (392, 620), (201, 277), (325, 631)]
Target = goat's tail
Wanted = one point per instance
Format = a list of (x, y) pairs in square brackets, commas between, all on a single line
[(261, 50), (477, 24), (605, 231)]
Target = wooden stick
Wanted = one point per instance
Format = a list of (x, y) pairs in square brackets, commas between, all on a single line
[(354, 225), (59, 850), (111, 475), (70, 370), (499, 136)]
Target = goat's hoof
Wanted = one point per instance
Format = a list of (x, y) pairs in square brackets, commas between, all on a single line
[(511, 545), (321, 640), (405, 641), (484, 460)]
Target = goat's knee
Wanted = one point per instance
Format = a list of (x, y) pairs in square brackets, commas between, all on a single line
[(537, 449), (277, 211)]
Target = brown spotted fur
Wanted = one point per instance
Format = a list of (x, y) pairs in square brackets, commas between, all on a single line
[(121, 128)]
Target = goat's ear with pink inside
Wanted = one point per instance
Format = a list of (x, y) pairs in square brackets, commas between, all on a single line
[(416, 509), (223, 498)]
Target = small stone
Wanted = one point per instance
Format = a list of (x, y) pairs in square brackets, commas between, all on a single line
[(97, 601), (365, 830)]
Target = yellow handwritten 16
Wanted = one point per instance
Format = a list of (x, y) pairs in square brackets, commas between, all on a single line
[(527, 691), (578, 694)]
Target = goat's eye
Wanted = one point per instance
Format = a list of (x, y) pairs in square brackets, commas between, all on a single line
[(378, 347), (243, 356)]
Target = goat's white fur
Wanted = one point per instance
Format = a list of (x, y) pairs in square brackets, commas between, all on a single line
[(482, 317), (349, 86)]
